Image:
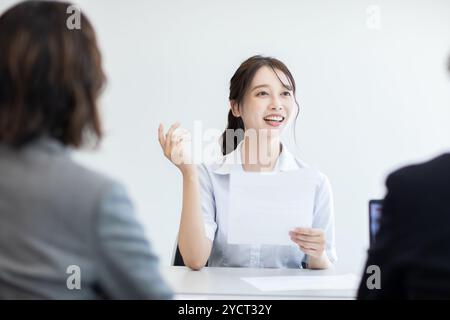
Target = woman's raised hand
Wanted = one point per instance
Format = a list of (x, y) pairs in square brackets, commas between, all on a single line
[(176, 145)]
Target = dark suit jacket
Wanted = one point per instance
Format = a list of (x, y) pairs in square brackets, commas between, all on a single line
[(412, 247)]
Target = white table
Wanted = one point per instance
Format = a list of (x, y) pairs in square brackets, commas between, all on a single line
[(226, 283)]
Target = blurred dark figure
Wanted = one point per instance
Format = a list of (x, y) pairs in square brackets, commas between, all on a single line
[(412, 246), (65, 232)]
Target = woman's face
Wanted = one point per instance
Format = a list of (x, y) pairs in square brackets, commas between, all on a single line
[(267, 105)]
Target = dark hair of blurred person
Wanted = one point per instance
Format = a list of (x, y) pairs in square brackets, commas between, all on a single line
[(50, 76)]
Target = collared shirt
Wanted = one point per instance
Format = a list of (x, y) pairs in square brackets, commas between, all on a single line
[(214, 180)]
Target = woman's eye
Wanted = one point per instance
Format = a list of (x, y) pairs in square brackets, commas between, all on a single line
[(262, 93), (286, 93)]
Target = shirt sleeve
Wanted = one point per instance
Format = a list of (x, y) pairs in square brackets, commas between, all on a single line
[(323, 216), (127, 266), (207, 200)]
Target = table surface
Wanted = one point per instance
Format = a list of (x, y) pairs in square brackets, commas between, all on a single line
[(226, 283)]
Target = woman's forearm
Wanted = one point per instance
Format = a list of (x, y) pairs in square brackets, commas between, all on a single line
[(194, 246)]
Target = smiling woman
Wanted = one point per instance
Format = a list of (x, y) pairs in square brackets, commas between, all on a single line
[(269, 68), (262, 103)]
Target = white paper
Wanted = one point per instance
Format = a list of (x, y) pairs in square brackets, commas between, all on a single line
[(264, 207), (288, 283)]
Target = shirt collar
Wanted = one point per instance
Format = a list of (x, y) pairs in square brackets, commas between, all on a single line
[(50, 145), (285, 162)]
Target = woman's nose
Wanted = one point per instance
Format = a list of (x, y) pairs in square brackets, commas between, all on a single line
[(276, 103), (277, 107)]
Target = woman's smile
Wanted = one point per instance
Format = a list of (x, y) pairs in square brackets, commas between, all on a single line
[(274, 120)]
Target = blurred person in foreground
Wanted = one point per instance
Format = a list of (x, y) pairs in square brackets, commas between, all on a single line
[(58, 220), (412, 246)]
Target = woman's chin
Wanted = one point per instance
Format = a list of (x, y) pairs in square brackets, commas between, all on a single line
[(271, 132)]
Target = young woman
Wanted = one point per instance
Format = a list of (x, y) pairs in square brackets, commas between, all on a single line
[(262, 101)]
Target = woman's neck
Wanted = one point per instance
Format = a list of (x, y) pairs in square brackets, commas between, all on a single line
[(260, 154)]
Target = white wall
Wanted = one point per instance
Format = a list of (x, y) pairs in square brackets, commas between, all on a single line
[(372, 99)]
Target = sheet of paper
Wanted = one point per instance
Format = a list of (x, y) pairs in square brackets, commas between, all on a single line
[(264, 207), (288, 283)]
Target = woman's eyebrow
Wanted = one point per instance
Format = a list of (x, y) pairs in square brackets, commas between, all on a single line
[(288, 87), (260, 86)]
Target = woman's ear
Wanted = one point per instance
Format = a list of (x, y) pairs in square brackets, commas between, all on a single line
[(235, 108)]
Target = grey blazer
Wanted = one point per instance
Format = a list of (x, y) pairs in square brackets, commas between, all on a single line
[(69, 233)]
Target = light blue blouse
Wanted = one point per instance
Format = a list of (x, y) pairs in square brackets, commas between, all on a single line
[(214, 189)]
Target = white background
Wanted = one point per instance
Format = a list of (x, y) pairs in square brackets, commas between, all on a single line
[(372, 99)]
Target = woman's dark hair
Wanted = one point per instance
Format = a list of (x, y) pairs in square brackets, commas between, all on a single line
[(239, 84), (50, 76)]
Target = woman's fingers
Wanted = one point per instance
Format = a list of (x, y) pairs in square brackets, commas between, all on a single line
[(308, 251), (170, 132), (175, 144), (311, 241), (307, 238), (161, 138), (317, 244), (309, 232), (310, 245), (306, 242), (165, 140), (168, 145)]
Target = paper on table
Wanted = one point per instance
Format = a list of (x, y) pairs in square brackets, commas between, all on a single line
[(264, 207), (287, 283)]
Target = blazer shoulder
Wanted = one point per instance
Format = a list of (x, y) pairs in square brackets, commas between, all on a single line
[(77, 181), (422, 173)]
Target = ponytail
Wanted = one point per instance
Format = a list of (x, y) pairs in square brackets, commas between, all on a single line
[(233, 134)]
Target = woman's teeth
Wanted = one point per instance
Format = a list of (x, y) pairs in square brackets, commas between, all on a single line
[(274, 118)]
